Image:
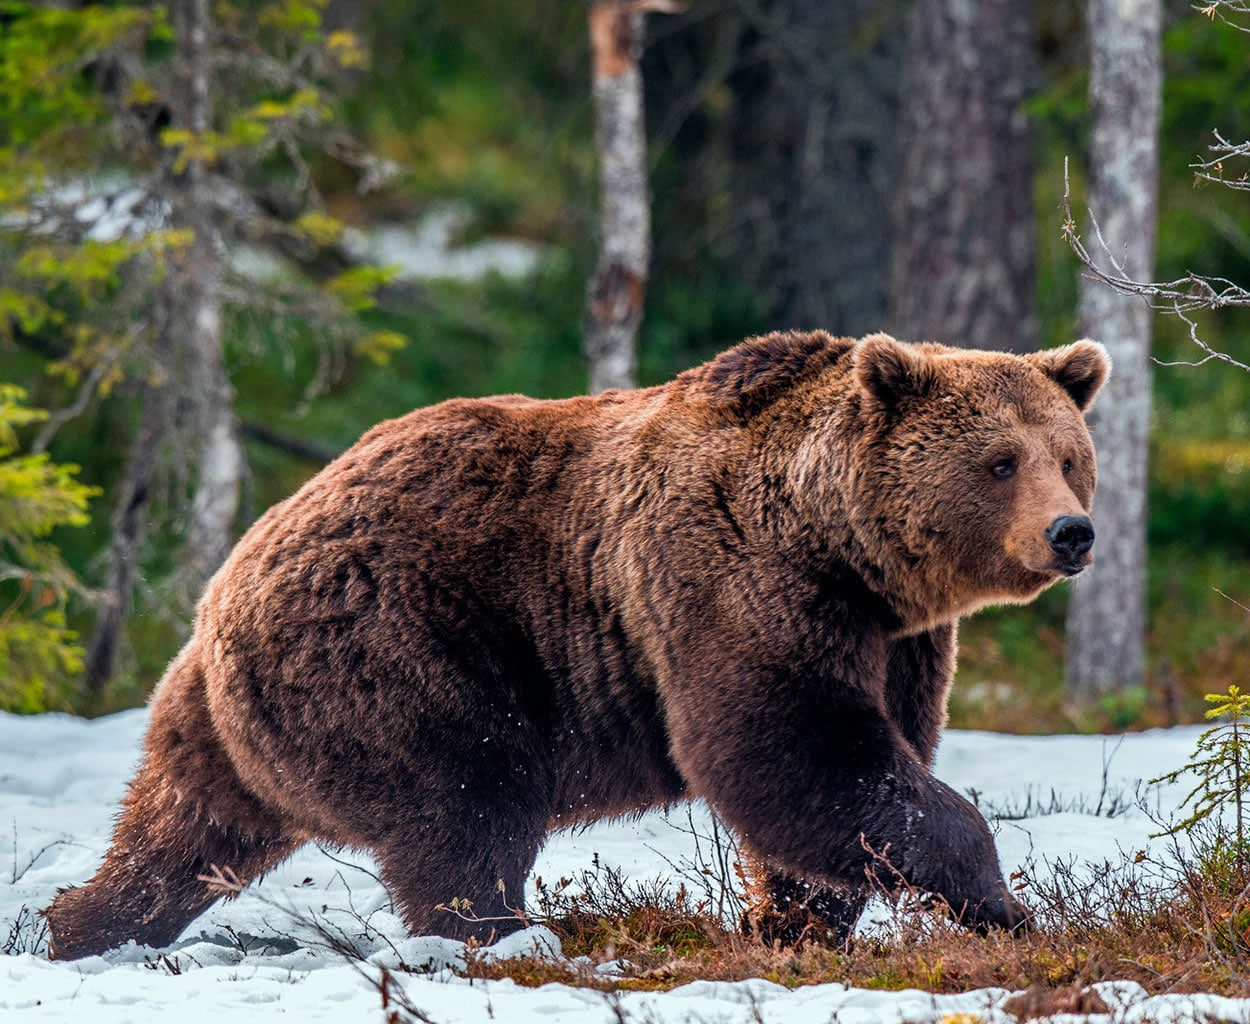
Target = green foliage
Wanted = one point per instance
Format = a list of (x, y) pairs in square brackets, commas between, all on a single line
[(1207, 87), (53, 123), (1124, 708), (489, 104), (48, 97), (484, 337), (38, 651), (1011, 659), (1200, 486), (1221, 762), (84, 96), (96, 209), (355, 288)]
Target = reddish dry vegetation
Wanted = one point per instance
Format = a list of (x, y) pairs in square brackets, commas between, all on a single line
[(1170, 927)]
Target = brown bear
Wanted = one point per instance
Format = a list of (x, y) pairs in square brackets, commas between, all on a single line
[(492, 619)]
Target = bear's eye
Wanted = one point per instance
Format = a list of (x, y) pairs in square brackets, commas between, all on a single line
[(1067, 466), (1004, 469)]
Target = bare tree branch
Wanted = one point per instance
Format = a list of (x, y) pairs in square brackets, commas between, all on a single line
[(1180, 296), (88, 393), (1210, 352), (300, 447), (1184, 294), (1214, 169), (1221, 9)]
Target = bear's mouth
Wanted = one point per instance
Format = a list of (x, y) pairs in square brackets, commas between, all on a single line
[(1058, 568)]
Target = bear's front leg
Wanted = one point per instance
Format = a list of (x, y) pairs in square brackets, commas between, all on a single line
[(807, 766), (790, 910)]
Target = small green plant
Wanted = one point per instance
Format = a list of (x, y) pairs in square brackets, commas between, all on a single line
[(1221, 762)]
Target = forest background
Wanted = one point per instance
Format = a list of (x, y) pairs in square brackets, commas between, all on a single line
[(338, 123)]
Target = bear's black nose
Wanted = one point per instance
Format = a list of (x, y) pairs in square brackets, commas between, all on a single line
[(1070, 537)]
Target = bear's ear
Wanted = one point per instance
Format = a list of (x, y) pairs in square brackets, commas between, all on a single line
[(891, 371), (1080, 369), (756, 372)]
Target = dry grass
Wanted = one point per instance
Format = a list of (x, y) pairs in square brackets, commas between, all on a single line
[(1175, 927), (26, 933)]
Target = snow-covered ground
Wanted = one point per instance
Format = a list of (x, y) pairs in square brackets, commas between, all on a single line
[(429, 248), (61, 779)]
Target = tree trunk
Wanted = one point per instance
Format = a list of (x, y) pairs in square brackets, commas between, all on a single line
[(130, 521), (964, 249), (615, 294), (191, 407), (814, 161), (1107, 615), (196, 288), (215, 505)]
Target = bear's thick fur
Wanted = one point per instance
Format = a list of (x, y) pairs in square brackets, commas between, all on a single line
[(493, 619)]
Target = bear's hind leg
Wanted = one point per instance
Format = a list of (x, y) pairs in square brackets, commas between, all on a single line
[(185, 813), (150, 886), (477, 878)]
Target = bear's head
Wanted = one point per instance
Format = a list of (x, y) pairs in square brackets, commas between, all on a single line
[(971, 474)]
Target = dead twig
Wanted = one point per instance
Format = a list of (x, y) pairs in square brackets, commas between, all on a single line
[(1180, 296), (1222, 8)]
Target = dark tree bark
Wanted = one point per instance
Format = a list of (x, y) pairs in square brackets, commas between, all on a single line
[(1107, 614), (813, 159), (129, 530), (615, 294), (964, 247)]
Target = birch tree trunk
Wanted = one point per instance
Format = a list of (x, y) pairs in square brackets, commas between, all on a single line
[(197, 280), (1107, 613), (964, 263), (615, 294)]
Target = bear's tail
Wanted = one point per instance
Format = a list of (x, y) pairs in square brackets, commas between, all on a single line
[(185, 816)]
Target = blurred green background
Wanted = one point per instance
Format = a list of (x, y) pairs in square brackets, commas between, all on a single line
[(488, 105)]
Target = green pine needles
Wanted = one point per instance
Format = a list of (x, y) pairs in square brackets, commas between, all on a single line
[(39, 654), (1221, 762)]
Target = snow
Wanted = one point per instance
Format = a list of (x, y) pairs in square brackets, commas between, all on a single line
[(107, 207), (61, 779), (428, 248)]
